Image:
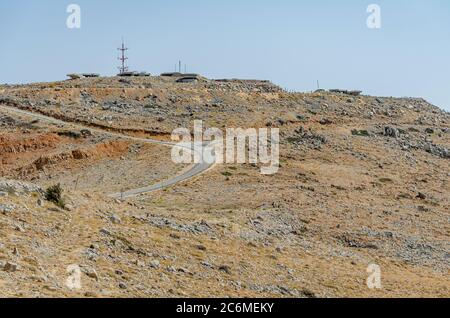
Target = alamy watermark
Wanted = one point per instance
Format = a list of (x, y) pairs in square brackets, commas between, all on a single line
[(73, 281), (234, 145), (374, 19), (374, 279), (74, 19)]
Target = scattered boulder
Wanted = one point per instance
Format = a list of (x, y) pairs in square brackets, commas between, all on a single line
[(19, 187), (92, 254), (355, 242), (90, 272), (70, 134), (105, 232), (307, 137), (115, 219), (207, 264), (226, 269), (4, 208), (86, 132), (155, 264), (10, 267), (421, 196), (391, 132), (194, 228), (436, 150), (325, 121)]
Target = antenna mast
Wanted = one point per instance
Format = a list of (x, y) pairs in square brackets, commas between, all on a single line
[(123, 58)]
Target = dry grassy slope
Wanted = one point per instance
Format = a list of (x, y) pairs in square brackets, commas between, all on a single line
[(340, 202)]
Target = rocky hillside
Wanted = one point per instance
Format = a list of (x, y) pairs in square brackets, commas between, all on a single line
[(363, 180)]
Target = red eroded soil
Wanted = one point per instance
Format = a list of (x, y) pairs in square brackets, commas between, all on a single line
[(14, 143), (25, 155)]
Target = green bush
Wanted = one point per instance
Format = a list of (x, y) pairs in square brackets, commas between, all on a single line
[(54, 194), (363, 133)]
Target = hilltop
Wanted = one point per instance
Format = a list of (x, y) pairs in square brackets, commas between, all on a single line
[(363, 180)]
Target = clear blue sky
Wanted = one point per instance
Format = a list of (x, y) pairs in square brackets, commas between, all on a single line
[(294, 43)]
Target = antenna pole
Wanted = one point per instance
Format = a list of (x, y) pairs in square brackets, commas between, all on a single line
[(123, 68)]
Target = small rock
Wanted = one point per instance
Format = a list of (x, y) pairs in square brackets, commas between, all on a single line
[(140, 263), (39, 279), (421, 196), (206, 264), (105, 232), (171, 269), (154, 264), (92, 255), (19, 228), (10, 267), (391, 132), (308, 293), (6, 208), (50, 288), (90, 272), (115, 219), (119, 272), (94, 247), (183, 270), (226, 269), (325, 121), (123, 286)]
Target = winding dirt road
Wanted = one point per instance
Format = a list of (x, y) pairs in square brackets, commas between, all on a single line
[(194, 171)]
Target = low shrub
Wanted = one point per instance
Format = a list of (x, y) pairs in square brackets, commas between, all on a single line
[(54, 194)]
